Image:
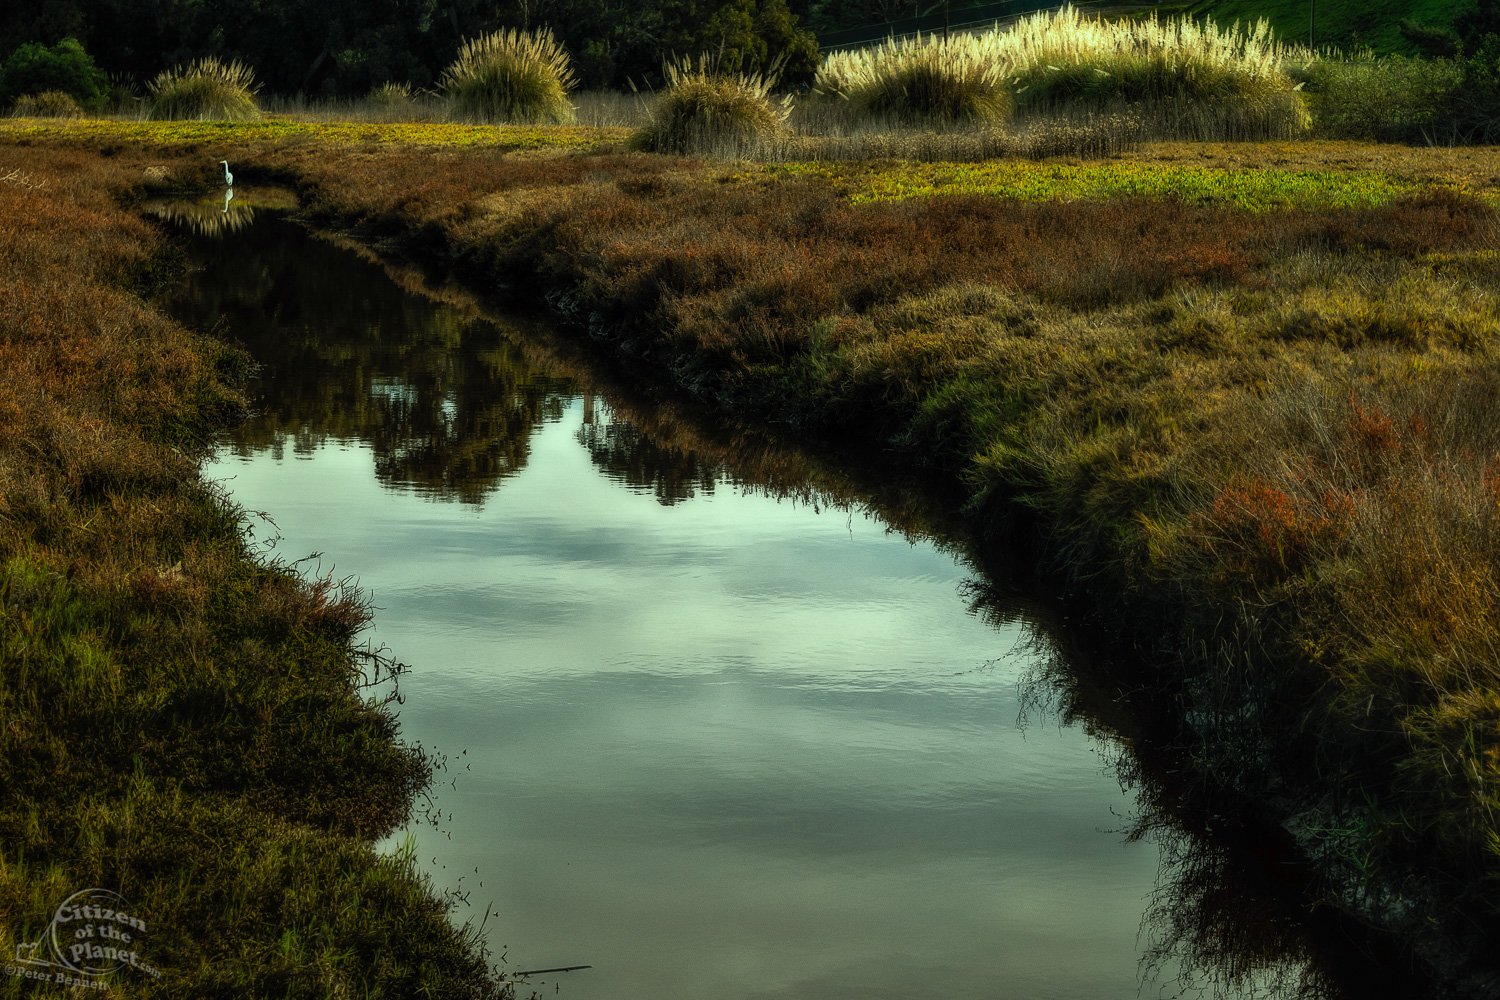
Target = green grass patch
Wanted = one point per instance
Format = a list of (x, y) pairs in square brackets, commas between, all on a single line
[(1251, 190), (188, 133)]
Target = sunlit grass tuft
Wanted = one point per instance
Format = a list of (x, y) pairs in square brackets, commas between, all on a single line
[(1191, 78), (510, 76), (47, 104), (206, 90), (925, 79), (704, 108)]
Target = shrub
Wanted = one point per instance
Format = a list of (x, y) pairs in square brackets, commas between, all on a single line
[(703, 108), (47, 104), (65, 67), (510, 76), (1391, 99), (1472, 110), (207, 90), (922, 80)]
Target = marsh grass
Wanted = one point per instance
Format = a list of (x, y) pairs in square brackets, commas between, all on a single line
[(927, 79), (1240, 412), (704, 108), (47, 104), (205, 90), (510, 76)]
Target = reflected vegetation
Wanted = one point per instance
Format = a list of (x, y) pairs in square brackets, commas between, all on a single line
[(628, 456), (1229, 916), (446, 403), (217, 216), (449, 404)]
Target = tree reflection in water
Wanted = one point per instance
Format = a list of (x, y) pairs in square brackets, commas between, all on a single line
[(445, 402), (628, 456), (1232, 914)]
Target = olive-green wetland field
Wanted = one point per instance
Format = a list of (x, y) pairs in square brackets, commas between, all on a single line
[(1236, 400)]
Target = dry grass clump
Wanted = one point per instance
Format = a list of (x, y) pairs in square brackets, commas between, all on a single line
[(392, 101), (510, 76), (205, 90), (925, 79), (704, 108), (1189, 77), (1231, 76), (391, 96), (47, 104)]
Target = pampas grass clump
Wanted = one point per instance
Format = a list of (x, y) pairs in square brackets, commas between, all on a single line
[(510, 76), (47, 104), (928, 80), (704, 109), (1192, 70), (392, 95), (206, 90)]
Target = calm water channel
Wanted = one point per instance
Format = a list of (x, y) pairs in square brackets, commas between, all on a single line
[(711, 738)]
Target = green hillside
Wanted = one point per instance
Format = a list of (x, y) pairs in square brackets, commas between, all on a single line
[(1344, 23)]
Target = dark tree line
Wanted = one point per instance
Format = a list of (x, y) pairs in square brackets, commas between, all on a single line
[(323, 48)]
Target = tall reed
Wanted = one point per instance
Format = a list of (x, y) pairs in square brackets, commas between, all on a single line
[(706, 109), (511, 76), (927, 79), (1234, 74), (207, 90)]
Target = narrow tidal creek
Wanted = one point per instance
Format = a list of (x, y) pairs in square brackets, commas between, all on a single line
[(714, 737)]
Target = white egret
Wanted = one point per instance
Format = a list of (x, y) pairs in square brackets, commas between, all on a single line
[(228, 177)]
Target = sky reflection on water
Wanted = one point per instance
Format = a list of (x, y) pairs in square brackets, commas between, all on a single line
[(730, 747), (706, 731)]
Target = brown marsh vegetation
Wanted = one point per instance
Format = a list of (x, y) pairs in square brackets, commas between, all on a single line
[(1257, 443)]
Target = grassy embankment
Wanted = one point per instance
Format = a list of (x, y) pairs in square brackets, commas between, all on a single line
[(1251, 410), (182, 722)]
